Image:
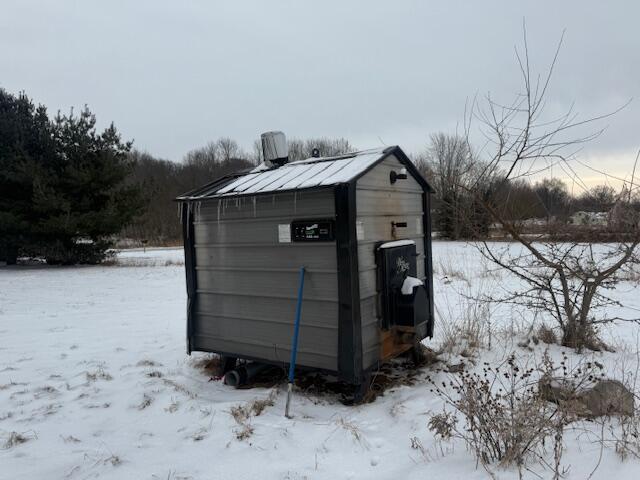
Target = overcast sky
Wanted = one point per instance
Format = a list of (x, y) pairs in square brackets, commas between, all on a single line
[(173, 75)]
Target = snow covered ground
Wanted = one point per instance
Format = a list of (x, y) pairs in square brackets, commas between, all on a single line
[(95, 383)]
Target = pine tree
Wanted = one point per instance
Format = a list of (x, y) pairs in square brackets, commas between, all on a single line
[(26, 142), (64, 189)]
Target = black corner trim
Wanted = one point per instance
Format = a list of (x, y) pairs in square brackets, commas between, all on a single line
[(188, 232), (349, 321), (428, 258)]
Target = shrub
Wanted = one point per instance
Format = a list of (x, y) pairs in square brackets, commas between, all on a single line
[(506, 420)]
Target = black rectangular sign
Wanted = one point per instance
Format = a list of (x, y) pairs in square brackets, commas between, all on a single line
[(312, 231)]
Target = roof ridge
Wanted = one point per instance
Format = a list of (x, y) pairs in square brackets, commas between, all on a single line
[(342, 156)]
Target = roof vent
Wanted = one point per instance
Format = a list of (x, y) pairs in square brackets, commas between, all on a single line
[(274, 148), (315, 153)]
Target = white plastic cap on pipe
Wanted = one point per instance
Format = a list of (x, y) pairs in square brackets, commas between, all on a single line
[(274, 148)]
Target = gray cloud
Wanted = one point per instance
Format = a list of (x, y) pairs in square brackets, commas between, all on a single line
[(173, 75)]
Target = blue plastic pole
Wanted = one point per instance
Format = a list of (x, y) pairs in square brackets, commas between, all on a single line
[(294, 341)]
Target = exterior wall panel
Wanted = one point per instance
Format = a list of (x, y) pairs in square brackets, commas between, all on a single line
[(378, 204), (247, 280)]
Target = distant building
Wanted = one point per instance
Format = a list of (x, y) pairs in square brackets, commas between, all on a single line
[(589, 218)]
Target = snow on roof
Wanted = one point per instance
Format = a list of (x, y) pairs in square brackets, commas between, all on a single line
[(309, 173)]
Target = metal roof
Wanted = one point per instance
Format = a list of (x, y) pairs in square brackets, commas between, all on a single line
[(302, 174)]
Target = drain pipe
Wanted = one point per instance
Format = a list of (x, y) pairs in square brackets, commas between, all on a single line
[(294, 344), (241, 375)]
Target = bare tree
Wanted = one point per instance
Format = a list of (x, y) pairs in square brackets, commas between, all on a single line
[(204, 157), (598, 199), (567, 281), (228, 149), (257, 155), (450, 165), (553, 196), (300, 149)]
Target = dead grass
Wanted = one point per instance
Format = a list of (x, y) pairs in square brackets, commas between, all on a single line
[(70, 439), (47, 390), (443, 425), (98, 374), (451, 273), (6, 386), (547, 335), (179, 388), (148, 363), (172, 475), (200, 435), (258, 406), (468, 331), (254, 408), (14, 439), (172, 407), (244, 433), (147, 400), (243, 414), (350, 427), (114, 460), (209, 365)]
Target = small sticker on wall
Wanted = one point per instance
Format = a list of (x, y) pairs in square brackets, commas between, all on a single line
[(284, 233), (419, 226), (359, 231)]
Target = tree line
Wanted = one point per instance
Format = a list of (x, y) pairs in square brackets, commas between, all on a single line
[(161, 181), (69, 193), (463, 183)]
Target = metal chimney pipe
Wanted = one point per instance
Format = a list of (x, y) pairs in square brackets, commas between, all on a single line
[(274, 148)]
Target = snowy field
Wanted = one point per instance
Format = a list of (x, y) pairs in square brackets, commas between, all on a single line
[(95, 383)]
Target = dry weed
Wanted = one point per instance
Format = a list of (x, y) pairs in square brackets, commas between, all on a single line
[(148, 363), (147, 400), (547, 335), (98, 374), (179, 388), (506, 420), (245, 432), (450, 272), (243, 413), (14, 438), (350, 427), (465, 333), (172, 407), (443, 425)]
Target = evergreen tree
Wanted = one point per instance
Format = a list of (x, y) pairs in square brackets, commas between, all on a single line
[(26, 142), (63, 187)]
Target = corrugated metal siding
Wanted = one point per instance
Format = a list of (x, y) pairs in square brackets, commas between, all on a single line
[(378, 204), (248, 281)]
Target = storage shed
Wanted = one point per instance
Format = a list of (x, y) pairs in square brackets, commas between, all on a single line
[(359, 223)]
